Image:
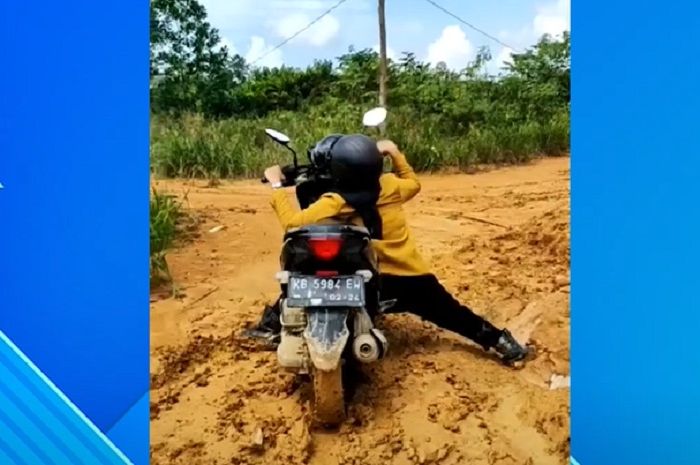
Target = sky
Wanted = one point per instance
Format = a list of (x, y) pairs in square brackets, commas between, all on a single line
[(253, 27)]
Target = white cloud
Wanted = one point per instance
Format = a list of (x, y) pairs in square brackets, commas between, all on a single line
[(228, 13), (390, 53), (224, 14), (553, 19), (496, 65), (316, 5), (300, 4), (517, 37), (317, 35), (503, 56), (258, 48), (452, 47), (229, 45)]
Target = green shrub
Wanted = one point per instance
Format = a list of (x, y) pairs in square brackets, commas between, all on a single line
[(166, 212), (190, 146)]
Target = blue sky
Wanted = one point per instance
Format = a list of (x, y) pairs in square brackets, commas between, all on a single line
[(252, 27)]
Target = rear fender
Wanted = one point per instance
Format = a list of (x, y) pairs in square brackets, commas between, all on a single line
[(326, 336)]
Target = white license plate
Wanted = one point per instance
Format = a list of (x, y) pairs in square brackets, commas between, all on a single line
[(315, 291)]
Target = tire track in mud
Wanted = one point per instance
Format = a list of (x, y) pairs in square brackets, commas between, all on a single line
[(220, 399)]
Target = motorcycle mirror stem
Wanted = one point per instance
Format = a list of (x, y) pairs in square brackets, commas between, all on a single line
[(376, 118), (294, 156)]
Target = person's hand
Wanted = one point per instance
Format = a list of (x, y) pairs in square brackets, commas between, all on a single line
[(387, 147), (274, 175)]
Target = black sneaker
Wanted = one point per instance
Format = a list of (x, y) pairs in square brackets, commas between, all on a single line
[(269, 327), (265, 335), (510, 350)]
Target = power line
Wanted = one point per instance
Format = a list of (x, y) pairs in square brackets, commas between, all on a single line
[(340, 2), (300, 31), (495, 39)]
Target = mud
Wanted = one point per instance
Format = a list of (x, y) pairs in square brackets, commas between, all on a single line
[(498, 240)]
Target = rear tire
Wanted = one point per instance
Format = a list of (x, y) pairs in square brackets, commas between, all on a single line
[(329, 398)]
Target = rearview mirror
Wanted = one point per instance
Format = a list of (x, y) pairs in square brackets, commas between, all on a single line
[(277, 136), (375, 117)]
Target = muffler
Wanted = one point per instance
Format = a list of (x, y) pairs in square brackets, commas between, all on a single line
[(369, 348)]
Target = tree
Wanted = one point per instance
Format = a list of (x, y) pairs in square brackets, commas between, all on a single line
[(549, 59), (357, 75), (284, 88), (192, 72), (539, 78), (191, 69)]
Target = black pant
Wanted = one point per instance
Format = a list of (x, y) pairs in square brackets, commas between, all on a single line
[(425, 297)]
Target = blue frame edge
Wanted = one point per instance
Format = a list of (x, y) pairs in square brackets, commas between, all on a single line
[(39, 424)]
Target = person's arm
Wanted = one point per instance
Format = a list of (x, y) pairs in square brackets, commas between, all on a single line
[(327, 206), (409, 185)]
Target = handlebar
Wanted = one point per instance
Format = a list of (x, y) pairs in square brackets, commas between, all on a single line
[(290, 175)]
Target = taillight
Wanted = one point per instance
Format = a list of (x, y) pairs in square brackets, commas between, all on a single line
[(325, 249), (326, 274)]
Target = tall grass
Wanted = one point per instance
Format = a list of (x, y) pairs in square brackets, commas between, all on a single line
[(166, 212), (193, 146)]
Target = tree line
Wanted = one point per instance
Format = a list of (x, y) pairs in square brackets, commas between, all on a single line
[(192, 72)]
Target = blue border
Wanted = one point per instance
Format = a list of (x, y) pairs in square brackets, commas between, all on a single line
[(635, 229), (132, 428), (74, 161), (40, 425)]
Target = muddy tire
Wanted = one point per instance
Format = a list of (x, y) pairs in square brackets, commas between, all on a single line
[(329, 398)]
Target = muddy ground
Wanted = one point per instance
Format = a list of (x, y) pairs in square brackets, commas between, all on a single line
[(499, 240)]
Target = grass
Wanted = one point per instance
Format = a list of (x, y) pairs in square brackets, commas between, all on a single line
[(166, 215), (194, 147)]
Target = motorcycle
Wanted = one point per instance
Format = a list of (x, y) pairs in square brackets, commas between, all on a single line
[(330, 294)]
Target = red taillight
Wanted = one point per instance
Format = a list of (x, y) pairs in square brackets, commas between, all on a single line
[(326, 274), (325, 249)]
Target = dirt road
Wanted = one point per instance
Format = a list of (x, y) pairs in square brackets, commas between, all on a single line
[(499, 240)]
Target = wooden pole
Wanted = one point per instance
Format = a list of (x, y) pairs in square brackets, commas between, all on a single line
[(382, 55)]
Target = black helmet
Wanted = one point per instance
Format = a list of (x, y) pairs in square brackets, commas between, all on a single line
[(355, 162), (320, 154)]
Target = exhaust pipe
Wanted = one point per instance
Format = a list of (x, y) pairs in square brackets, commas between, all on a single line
[(366, 349), (369, 348)]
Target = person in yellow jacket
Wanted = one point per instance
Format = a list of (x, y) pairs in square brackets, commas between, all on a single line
[(377, 200)]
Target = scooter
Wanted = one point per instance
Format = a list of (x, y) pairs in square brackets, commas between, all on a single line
[(330, 295)]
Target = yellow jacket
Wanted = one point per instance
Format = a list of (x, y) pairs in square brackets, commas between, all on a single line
[(396, 251)]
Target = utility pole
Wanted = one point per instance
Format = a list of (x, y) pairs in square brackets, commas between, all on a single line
[(382, 55)]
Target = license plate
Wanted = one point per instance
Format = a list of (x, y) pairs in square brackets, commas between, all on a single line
[(314, 291)]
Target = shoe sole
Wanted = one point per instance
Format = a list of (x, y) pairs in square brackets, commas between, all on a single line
[(264, 336), (520, 362)]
